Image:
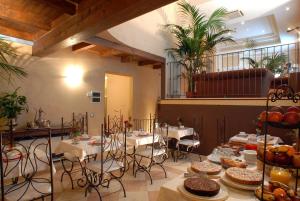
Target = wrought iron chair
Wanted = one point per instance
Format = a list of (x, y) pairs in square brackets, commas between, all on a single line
[(70, 163), (189, 145), (155, 153), (110, 166), (27, 169)]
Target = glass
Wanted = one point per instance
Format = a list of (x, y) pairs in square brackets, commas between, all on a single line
[(281, 175)]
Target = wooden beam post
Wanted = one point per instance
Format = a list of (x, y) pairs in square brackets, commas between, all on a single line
[(125, 49), (82, 46), (19, 16), (65, 6), (99, 16)]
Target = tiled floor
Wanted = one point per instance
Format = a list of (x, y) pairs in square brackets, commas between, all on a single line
[(137, 189)]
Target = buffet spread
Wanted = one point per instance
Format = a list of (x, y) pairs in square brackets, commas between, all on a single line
[(245, 163)]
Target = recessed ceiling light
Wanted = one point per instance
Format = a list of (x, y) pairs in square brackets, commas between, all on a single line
[(229, 33), (289, 28), (263, 31), (287, 8), (243, 22)]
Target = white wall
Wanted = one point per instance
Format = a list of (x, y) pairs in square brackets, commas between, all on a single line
[(146, 32), (46, 87)]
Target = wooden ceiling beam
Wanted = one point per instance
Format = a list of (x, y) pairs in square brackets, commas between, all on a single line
[(65, 6), (125, 49), (24, 18), (82, 46), (158, 66), (16, 34), (147, 62), (99, 16)]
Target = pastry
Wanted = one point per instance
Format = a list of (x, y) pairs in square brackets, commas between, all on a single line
[(202, 186), (206, 167), (227, 163), (244, 176)]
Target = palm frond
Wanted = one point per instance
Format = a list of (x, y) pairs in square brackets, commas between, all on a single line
[(8, 70), (252, 62)]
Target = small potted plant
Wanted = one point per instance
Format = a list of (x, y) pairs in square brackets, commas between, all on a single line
[(12, 105)]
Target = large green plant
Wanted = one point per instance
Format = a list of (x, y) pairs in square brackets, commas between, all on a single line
[(11, 105), (8, 70), (196, 39), (274, 63)]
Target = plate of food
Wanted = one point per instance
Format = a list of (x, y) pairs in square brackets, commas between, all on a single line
[(241, 178), (277, 191), (206, 167), (228, 162), (200, 188)]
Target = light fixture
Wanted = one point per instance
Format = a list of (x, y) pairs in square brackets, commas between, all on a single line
[(73, 76), (243, 22), (289, 28), (287, 8), (263, 31)]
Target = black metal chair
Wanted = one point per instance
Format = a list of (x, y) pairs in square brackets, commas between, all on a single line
[(27, 168), (155, 153), (110, 166), (190, 144)]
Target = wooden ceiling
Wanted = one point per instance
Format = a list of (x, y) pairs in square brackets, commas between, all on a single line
[(106, 48), (55, 24), (30, 19)]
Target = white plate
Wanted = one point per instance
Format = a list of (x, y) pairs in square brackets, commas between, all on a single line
[(221, 196), (211, 176), (233, 184), (214, 159)]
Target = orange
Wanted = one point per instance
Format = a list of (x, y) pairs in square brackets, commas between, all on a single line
[(279, 192)]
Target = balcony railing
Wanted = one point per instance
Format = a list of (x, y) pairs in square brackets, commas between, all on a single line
[(232, 75)]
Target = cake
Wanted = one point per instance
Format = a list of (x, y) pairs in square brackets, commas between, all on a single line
[(244, 176), (202, 186), (206, 167)]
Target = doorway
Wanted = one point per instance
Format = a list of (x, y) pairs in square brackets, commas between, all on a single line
[(118, 95)]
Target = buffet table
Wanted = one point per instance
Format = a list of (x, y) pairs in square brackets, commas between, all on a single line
[(169, 192)]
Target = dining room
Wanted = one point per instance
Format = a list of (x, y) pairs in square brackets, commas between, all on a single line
[(131, 100)]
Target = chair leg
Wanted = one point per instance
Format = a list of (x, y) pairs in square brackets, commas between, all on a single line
[(160, 165), (124, 191)]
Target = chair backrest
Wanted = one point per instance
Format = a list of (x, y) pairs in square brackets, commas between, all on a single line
[(30, 160), (198, 128), (113, 150), (160, 133), (144, 124), (113, 124)]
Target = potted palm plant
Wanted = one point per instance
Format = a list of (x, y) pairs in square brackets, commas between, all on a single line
[(12, 105), (273, 63), (196, 40)]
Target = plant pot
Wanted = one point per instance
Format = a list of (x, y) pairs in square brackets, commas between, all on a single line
[(190, 94)]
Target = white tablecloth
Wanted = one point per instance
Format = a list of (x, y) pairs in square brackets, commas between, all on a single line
[(82, 149), (169, 192), (177, 133), (245, 140), (136, 140)]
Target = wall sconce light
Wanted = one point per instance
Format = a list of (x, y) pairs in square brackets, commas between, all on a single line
[(73, 76)]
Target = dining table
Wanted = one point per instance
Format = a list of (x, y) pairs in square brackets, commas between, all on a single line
[(177, 133)]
